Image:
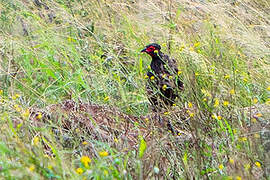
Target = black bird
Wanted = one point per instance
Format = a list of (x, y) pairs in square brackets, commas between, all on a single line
[(163, 84)]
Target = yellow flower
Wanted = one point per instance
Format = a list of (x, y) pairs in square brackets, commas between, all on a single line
[(216, 103), (197, 44), (182, 47), (84, 143), (243, 139), (32, 168), (191, 49), (36, 140), (257, 135), (39, 116), (149, 67), (221, 167), (238, 178), (232, 91), (116, 140), (174, 104), (259, 115), (1, 91), (268, 88), (146, 77), (85, 161), (152, 77), (231, 161), (268, 101), (245, 79), (191, 114), (156, 51), (225, 103), (166, 113), (164, 75), (197, 74), (255, 100), (103, 153), (258, 164), (179, 72), (164, 87), (204, 99), (170, 77), (227, 76), (190, 104), (79, 170), (106, 98), (219, 117)]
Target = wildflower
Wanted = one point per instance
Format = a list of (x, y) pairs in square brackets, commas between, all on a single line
[(39, 116), (146, 77), (258, 164), (1, 91), (221, 167), (268, 101), (268, 88), (204, 99), (216, 104), (243, 139), (84, 143), (259, 115), (152, 77), (191, 49), (219, 117), (174, 104), (190, 104), (32, 168), (257, 135), (179, 72), (156, 51), (227, 76), (170, 77), (149, 67), (106, 98), (197, 74), (164, 75), (17, 108), (116, 140), (103, 153), (164, 87), (231, 161), (36, 140), (232, 91), (191, 114), (79, 170), (85, 161), (166, 113), (225, 103), (182, 48), (234, 131), (245, 79), (238, 178), (255, 100), (197, 44)]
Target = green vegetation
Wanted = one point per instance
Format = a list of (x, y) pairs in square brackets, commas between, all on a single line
[(89, 51)]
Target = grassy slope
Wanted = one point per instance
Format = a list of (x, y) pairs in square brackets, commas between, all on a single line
[(222, 49)]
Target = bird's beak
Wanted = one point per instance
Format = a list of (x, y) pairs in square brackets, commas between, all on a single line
[(144, 50)]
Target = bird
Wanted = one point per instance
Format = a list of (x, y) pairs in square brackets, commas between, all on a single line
[(163, 84)]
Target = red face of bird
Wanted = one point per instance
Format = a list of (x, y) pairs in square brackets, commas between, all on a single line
[(152, 49)]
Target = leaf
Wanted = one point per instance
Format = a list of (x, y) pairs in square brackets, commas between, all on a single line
[(142, 147)]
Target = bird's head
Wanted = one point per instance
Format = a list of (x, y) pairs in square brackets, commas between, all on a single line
[(152, 49)]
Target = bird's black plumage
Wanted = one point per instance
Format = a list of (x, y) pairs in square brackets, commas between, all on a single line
[(163, 83)]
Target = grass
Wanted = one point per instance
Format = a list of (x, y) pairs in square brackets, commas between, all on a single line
[(89, 51)]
